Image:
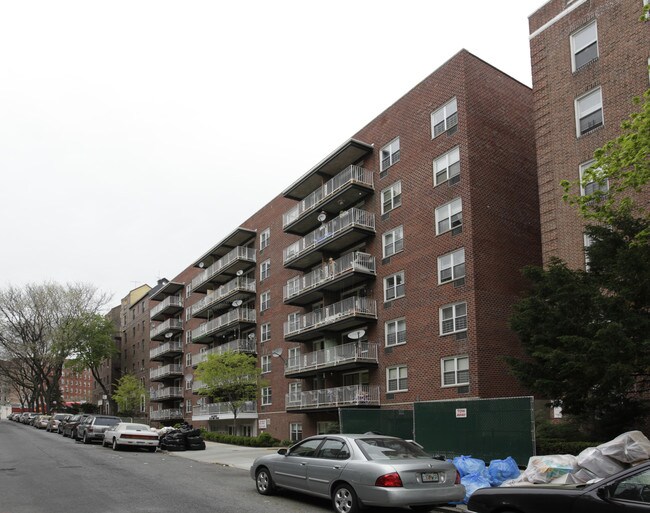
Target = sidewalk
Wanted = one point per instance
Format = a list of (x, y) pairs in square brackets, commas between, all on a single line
[(226, 454)]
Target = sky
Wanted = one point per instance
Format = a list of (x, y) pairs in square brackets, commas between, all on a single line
[(135, 135)]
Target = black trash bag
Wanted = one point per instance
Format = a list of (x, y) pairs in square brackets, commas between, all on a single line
[(198, 446)]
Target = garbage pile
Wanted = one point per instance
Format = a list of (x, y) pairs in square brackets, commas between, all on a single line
[(183, 439), (591, 465)]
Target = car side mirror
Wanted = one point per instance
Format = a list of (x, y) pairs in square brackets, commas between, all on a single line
[(604, 493), (282, 451)]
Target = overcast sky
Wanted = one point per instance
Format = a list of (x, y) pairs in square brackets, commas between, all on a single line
[(134, 135)]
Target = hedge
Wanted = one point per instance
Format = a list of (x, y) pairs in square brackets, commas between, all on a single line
[(261, 440), (557, 446)]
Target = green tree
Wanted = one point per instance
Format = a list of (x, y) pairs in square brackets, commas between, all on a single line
[(128, 394), (230, 377)]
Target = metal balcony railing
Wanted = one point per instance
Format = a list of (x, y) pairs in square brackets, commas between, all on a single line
[(324, 233), (223, 321), (175, 413), (237, 346), (223, 409), (239, 253), (351, 395), (174, 346), (351, 262), (169, 301), (166, 393), (166, 370), (239, 283), (350, 174), (333, 356), (330, 314), (169, 324)]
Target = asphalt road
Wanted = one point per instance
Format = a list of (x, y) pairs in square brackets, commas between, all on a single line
[(45, 473)]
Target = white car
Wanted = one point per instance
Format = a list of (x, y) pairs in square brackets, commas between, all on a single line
[(126, 434)]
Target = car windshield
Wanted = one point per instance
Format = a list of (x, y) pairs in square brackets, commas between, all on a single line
[(389, 449), (137, 427)]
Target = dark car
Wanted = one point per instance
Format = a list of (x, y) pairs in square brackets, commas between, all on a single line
[(93, 427), (70, 426), (628, 491)]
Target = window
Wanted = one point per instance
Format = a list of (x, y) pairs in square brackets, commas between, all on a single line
[(265, 300), (188, 406), (265, 331), (389, 154), (293, 322), (451, 266), (449, 216), (631, 491), (447, 167), (584, 46), (266, 363), (396, 379), (591, 187), (444, 118), (394, 286), (455, 371), (587, 242), (453, 318), (391, 197), (295, 431), (265, 269), (293, 359), (307, 449), (393, 241), (265, 238), (266, 396), (395, 332), (334, 450), (188, 359), (589, 112)]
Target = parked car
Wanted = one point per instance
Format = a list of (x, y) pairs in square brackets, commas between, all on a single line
[(356, 471), (55, 421), (28, 417), (127, 434), (626, 491), (70, 426), (93, 427), (41, 421)]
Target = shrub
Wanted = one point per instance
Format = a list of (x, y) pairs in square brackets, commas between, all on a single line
[(558, 446), (262, 440)]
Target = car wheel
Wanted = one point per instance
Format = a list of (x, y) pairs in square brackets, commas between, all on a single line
[(344, 499), (115, 446), (264, 482), (103, 442), (85, 438)]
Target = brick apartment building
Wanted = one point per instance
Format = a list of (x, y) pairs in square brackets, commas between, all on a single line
[(589, 59), (383, 276), (76, 387)]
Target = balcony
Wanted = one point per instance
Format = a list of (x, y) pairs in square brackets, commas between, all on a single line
[(166, 393), (166, 371), (224, 269), (208, 331), (239, 288), (171, 414), (350, 313), (350, 227), (169, 326), (342, 273), (166, 350), (170, 306), (338, 358), (222, 411), (342, 191), (244, 345), (331, 398)]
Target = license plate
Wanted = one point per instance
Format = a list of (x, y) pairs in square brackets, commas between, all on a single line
[(430, 477)]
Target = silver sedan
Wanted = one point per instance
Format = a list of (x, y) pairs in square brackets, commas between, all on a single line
[(355, 471)]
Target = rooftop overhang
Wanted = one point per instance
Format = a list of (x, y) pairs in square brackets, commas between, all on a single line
[(348, 153), (240, 237), (171, 288)]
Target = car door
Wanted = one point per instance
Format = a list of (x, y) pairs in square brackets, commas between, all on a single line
[(291, 470), (628, 494), (332, 457)]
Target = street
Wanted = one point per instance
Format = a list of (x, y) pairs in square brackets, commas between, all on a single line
[(43, 472)]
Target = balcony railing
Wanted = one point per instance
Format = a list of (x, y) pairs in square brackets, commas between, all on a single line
[(237, 346), (239, 253), (172, 369), (331, 314), (351, 262), (351, 395), (331, 357), (215, 297), (350, 174), (171, 301), (175, 413), (166, 393), (223, 409), (174, 346), (223, 322), (169, 324)]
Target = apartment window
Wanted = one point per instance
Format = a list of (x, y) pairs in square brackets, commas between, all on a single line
[(143, 403), (188, 384), (447, 167), (451, 266), (188, 337), (266, 396), (449, 216), (589, 111), (394, 286), (587, 242), (591, 187), (444, 118), (266, 364), (265, 332), (265, 269), (265, 238), (395, 332), (188, 313), (293, 322), (391, 197), (584, 46), (455, 371), (265, 300), (295, 431), (393, 241), (188, 406), (389, 154), (293, 358), (453, 318), (396, 379)]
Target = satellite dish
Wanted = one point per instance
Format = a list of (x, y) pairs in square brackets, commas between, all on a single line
[(251, 336), (240, 272), (188, 377), (322, 216), (237, 302), (169, 335), (201, 265), (276, 353), (356, 335)]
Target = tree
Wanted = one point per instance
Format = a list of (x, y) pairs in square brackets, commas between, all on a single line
[(229, 377), (128, 394)]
